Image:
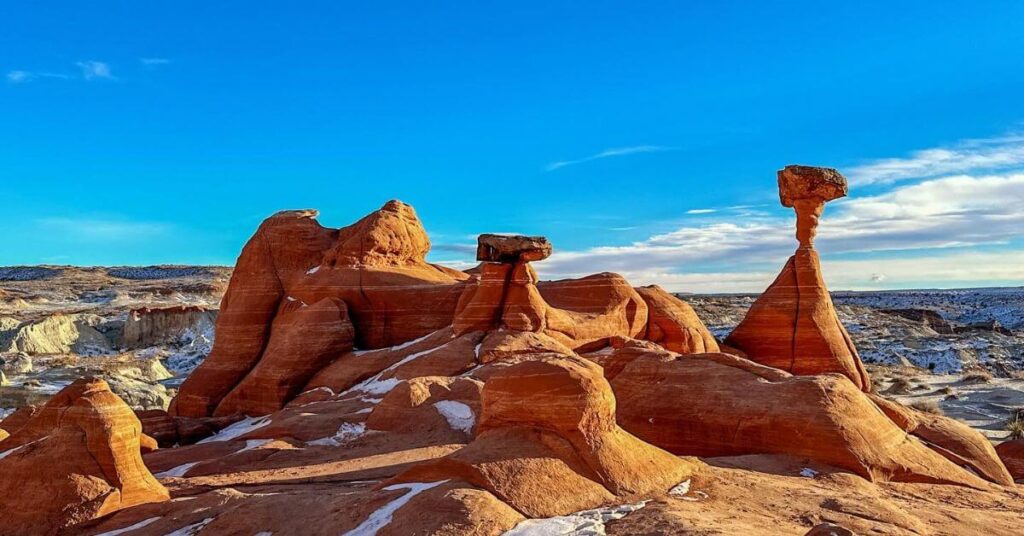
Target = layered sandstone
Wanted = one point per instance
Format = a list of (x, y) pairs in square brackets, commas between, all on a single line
[(724, 405), (76, 459), (793, 325), (548, 443), (147, 326)]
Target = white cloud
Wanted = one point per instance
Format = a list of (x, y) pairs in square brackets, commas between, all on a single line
[(154, 62), (701, 211), (952, 212), (607, 153), (103, 230), (95, 70), (18, 77), (969, 156)]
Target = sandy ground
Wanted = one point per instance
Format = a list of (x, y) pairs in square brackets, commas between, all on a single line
[(985, 404)]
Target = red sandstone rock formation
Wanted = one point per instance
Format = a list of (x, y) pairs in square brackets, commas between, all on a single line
[(375, 266), (76, 459), (548, 444), (673, 324), (724, 405), (1012, 455), (793, 325), (574, 312)]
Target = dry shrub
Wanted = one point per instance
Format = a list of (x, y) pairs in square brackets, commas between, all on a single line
[(978, 376), (900, 386), (927, 406)]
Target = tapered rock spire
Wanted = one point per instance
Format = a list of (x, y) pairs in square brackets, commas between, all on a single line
[(793, 325)]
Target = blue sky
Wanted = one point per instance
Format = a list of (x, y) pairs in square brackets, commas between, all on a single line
[(641, 137)]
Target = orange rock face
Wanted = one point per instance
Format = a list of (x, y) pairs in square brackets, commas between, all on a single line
[(793, 325), (372, 271), (1012, 455), (548, 443), (673, 324), (77, 459), (723, 405)]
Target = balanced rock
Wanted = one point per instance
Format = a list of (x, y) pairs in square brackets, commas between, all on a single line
[(806, 189), (76, 459), (793, 325), (512, 248), (548, 444)]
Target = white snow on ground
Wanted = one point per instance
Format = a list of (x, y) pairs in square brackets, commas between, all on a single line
[(240, 428), (680, 489), (376, 385), (190, 530), (254, 444), (313, 270), (346, 433), (178, 471), (382, 516), (407, 344), (8, 452), (4, 412), (808, 472), (587, 522), (130, 528), (459, 415)]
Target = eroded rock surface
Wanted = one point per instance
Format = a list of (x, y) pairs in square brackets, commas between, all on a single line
[(75, 459)]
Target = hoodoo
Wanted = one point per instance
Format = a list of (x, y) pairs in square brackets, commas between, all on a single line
[(793, 325), (77, 458)]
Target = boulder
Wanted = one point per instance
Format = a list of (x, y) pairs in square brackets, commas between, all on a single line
[(512, 248), (713, 405), (1010, 452), (19, 363), (78, 458), (673, 324), (444, 408), (548, 444)]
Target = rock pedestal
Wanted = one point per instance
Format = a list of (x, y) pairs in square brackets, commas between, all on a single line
[(793, 325)]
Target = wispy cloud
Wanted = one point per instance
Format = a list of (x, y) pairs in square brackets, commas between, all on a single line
[(106, 230), (701, 211), (95, 70), (608, 153), (87, 70), (21, 77), (957, 212), (969, 156), (154, 62)]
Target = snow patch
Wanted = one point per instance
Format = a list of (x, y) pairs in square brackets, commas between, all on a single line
[(313, 270), (240, 428), (680, 489), (254, 444), (382, 516), (139, 525), (346, 433), (8, 452), (459, 415), (807, 472), (178, 471), (190, 530), (589, 522)]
